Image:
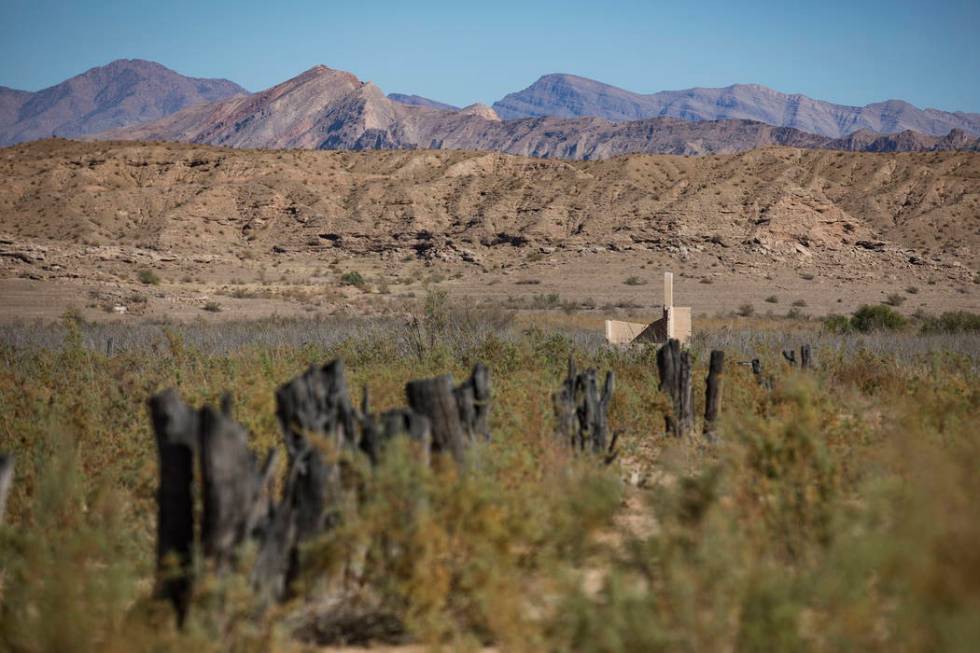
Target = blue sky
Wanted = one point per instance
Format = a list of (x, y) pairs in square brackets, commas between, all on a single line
[(460, 52)]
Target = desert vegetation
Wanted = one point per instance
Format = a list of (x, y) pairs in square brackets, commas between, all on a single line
[(835, 511)]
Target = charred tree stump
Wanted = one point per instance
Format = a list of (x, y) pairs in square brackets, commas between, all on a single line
[(473, 398), (378, 430), (806, 357), (316, 403), (318, 423), (175, 425), (566, 413), (6, 481), (235, 490), (434, 398), (790, 357), (582, 412), (712, 398), (674, 368)]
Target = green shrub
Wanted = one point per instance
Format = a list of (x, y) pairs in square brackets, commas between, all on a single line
[(876, 318), (894, 299), (352, 278), (837, 324), (634, 281), (746, 310), (148, 277), (952, 322), (772, 299)]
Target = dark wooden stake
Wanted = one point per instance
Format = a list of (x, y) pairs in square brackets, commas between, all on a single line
[(6, 481), (712, 399), (806, 357), (683, 405), (175, 425)]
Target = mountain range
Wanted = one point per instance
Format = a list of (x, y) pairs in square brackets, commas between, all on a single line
[(122, 93), (559, 116), (570, 96)]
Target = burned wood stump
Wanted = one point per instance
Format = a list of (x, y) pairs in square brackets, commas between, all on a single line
[(236, 491), (378, 430), (316, 403), (321, 429), (712, 398), (434, 398), (473, 398), (582, 412), (790, 356), (674, 369), (457, 416)]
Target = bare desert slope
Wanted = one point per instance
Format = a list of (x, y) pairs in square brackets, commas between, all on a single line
[(96, 212)]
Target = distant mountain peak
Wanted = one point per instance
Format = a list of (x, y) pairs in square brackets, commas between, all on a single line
[(121, 93)]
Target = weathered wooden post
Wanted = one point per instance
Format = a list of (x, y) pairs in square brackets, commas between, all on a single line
[(806, 357), (667, 364), (566, 414), (684, 406), (674, 368), (712, 398), (175, 426), (790, 356), (6, 481)]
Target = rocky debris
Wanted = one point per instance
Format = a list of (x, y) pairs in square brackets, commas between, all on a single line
[(23, 252), (874, 246)]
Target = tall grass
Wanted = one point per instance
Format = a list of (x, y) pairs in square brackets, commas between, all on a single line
[(838, 511)]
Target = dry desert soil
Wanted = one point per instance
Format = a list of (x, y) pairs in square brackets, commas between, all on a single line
[(127, 231)]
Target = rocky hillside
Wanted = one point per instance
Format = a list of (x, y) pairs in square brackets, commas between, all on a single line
[(122, 93), (771, 202), (569, 96), (331, 109)]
